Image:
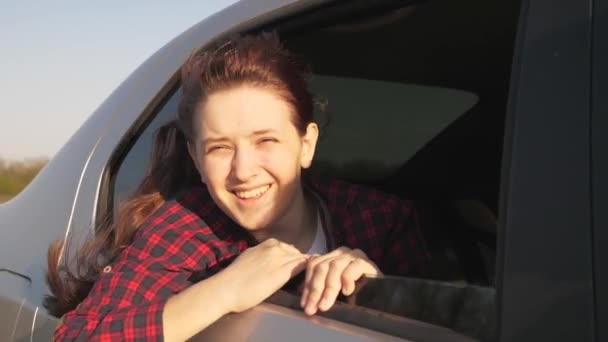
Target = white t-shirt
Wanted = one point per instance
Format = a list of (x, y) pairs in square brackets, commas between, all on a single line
[(319, 244)]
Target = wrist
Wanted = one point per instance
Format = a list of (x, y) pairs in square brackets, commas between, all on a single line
[(224, 293), (199, 300)]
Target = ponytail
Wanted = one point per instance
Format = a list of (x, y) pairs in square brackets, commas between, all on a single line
[(170, 170)]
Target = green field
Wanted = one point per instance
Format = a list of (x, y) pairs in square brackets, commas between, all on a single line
[(15, 175)]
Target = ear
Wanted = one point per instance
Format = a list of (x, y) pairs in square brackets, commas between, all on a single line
[(309, 144), (193, 154)]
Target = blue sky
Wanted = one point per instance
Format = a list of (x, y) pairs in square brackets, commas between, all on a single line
[(61, 59)]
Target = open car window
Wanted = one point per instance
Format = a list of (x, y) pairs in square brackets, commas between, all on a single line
[(415, 103), (359, 149)]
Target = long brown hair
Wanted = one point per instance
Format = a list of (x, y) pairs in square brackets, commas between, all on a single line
[(256, 60)]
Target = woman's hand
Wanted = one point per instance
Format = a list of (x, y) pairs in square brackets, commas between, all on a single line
[(327, 275), (252, 277), (258, 273)]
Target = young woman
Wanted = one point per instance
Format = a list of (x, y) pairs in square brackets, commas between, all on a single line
[(224, 217)]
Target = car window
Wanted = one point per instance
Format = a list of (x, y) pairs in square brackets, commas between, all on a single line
[(415, 104), (409, 117), (132, 168)]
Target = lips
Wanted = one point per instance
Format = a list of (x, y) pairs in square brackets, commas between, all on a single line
[(252, 193)]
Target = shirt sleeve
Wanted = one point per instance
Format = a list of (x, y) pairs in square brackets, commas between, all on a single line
[(127, 300), (406, 249)]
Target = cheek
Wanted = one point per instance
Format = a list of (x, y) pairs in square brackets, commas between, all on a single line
[(215, 171), (280, 161)]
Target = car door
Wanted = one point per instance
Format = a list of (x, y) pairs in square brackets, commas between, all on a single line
[(599, 156), (545, 278), (544, 275), (14, 318), (546, 268)]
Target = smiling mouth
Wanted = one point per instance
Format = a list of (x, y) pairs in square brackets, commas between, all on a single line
[(253, 193)]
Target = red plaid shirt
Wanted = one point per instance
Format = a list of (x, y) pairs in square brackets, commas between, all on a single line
[(190, 238)]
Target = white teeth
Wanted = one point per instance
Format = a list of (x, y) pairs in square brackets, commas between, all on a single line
[(252, 193)]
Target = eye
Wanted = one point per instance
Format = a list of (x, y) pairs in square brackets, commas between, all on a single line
[(217, 148), (267, 140)]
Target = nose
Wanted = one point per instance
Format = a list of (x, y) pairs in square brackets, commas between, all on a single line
[(244, 165)]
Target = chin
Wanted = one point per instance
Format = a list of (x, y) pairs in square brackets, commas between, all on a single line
[(253, 225)]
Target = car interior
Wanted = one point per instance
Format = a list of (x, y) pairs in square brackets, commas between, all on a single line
[(431, 81)]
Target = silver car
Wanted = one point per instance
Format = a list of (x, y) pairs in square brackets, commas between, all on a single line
[(491, 116)]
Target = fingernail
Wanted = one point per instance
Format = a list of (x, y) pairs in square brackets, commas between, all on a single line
[(304, 298), (310, 310)]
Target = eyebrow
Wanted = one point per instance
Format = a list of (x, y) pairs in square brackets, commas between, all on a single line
[(214, 140), (265, 131), (254, 134)]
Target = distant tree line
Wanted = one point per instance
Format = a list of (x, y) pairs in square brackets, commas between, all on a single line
[(15, 175)]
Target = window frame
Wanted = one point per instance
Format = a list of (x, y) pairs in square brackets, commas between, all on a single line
[(541, 230), (599, 184)]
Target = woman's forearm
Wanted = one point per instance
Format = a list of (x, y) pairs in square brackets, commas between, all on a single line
[(192, 310), (261, 270)]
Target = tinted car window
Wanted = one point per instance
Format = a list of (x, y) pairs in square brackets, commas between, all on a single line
[(133, 166)]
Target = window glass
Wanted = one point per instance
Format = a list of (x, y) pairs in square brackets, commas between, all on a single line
[(132, 169)]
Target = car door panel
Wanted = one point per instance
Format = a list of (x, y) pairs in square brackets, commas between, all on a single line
[(599, 185), (550, 269), (545, 266), (13, 290)]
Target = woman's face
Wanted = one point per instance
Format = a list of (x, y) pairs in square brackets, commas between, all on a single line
[(250, 155)]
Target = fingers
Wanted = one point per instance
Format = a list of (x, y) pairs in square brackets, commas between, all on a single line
[(283, 260), (334, 282), (351, 274), (260, 271), (313, 262), (294, 261), (328, 275), (314, 287), (324, 283)]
